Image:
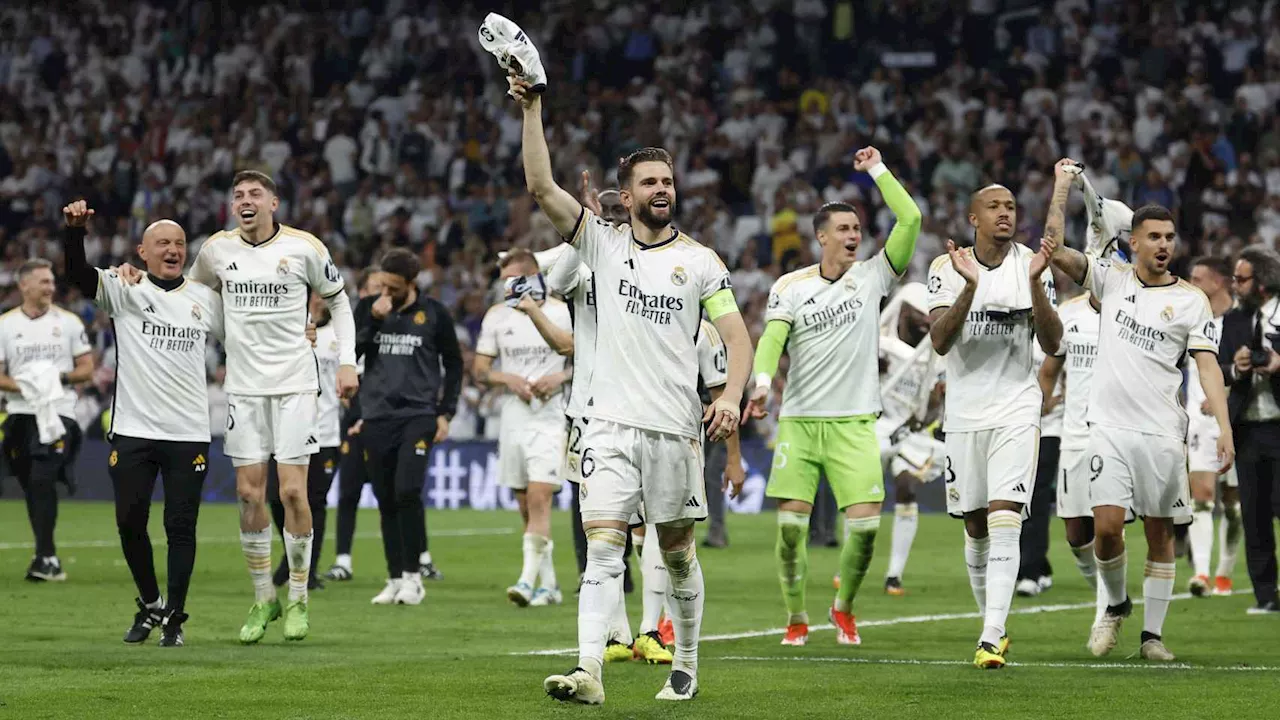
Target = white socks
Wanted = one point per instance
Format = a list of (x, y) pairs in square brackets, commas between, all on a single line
[(906, 518), (1229, 531), (619, 625), (975, 560), (343, 561), (1004, 528), (1200, 537), (157, 604), (1111, 575), (256, 545), (297, 548), (1086, 563), (687, 596), (547, 567), (533, 546), (598, 599), (1157, 590), (653, 573)]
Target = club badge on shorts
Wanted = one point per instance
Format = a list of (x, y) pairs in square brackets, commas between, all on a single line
[(113, 459), (198, 464), (420, 447)]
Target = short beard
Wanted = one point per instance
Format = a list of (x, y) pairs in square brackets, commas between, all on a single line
[(645, 215)]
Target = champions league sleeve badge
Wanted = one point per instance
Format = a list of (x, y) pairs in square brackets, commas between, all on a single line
[(518, 287)]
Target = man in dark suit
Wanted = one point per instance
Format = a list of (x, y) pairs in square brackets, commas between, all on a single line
[(1251, 367)]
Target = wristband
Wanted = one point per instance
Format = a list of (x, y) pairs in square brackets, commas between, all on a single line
[(877, 170), (764, 380)]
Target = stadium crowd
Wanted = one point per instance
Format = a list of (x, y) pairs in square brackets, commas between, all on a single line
[(389, 128)]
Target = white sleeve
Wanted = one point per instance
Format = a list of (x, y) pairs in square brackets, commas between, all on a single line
[(79, 339), (202, 270), (942, 292), (112, 292), (563, 273), (593, 237), (487, 343), (779, 307), (323, 277), (1096, 272), (713, 360), (715, 276), (344, 325), (884, 273), (217, 324), (1204, 333)]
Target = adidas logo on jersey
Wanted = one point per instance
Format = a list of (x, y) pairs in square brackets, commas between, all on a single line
[(232, 266), (1132, 298), (150, 309), (810, 301)]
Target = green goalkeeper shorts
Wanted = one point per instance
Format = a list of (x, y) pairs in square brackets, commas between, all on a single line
[(845, 449)]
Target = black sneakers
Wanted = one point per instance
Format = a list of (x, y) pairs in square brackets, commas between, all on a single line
[(1271, 607), (429, 572), (171, 629), (45, 569), (143, 622)]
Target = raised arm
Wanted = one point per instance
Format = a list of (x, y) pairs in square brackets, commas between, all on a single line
[(78, 270), (560, 339), (1072, 262), (901, 244), (560, 207), (946, 323)]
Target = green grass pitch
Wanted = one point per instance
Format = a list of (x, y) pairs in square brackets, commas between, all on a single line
[(465, 653)]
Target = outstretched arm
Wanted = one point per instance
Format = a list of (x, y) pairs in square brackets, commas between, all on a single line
[(560, 207)]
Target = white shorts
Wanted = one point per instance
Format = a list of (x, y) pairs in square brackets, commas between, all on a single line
[(983, 466), (260, 427), (920, 455), (1074, 478), (1202, 445), (531, 452), (1141, 472), (627, 470)]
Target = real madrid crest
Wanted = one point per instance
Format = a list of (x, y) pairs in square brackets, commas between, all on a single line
[(1167, 313), (57, 331), (283, 267), (195, 312), (679, 276), (419, 317)]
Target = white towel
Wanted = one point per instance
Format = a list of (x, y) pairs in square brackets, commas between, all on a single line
[(511, 46), (1110, 223), (42, 389)]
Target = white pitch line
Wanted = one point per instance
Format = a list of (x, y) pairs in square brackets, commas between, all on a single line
[(1067, 665), (228, 539), (904, 620)]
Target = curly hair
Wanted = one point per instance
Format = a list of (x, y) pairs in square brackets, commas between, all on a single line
[(1266, 267)]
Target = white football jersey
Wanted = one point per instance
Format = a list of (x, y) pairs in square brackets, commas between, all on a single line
[(991, 378), (264, 299), (57, 337), (510, 337), (581, 293), (713, 356), (1145, 333), (329, 408), (902, 400), (649, 299), (833, 344), (161, 337), (1078, 350)]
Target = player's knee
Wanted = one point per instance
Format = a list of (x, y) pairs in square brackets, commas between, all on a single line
[(180, 530), (793, 530), (251, 494), (605, 547), (680, 562), (292, 495), (676, 535)]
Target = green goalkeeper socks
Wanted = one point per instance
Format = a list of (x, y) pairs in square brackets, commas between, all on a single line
[(793, 562), (855, 557)]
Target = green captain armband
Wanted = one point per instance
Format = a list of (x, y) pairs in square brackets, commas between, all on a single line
[(720, 303)]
